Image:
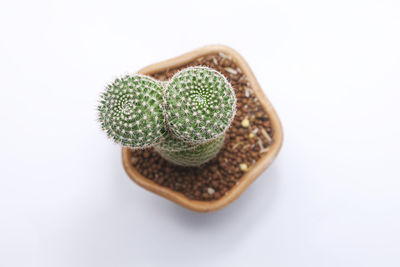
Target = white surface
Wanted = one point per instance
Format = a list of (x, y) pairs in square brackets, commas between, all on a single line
[(331, 198)]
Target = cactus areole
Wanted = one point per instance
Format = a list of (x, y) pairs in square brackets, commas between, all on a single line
[(184, 119)]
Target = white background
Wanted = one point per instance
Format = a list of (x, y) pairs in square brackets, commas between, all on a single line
[(331, 198)]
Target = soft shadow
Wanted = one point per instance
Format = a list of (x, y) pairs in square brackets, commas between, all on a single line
[(253, 204), (127, 225)]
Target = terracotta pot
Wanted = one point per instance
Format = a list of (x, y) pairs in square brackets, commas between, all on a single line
[(250, 175)]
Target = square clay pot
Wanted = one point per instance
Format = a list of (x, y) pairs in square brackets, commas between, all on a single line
[(253, 172)]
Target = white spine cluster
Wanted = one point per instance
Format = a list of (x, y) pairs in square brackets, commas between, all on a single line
[(131, 111), (196, 155), (200, 106)]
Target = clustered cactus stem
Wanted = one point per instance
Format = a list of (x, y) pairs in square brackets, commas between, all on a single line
[(200, 104), (184, 119), (131, 111)]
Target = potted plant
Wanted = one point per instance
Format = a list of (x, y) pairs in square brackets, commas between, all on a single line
[(196, 129)]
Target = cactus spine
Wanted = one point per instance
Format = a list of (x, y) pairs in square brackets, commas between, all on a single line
[(200, 104), (195, 155), (185, 118), (131, 111)]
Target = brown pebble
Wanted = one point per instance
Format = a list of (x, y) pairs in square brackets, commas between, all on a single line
[(215, 183), (134, 160)]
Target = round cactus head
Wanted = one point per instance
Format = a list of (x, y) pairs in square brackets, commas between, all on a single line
[(131, 111), (200, 104)]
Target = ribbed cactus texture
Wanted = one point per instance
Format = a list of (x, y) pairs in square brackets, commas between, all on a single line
[(131, 111), (172, 144), (185, 119), (196, 155), (200, 104)]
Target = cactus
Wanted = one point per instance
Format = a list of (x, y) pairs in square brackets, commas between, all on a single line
[(200, 104), (171, 144), (184, 119), (131, 111), (195, 155)]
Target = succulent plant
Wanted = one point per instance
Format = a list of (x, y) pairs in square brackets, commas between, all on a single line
[(195, 155), (185, 118), (200, 104), (172, 144), (131, 111)]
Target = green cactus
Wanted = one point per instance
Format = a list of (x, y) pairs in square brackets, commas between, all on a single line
[(185, 119), (195, 155), (200, 104), (171, 144), (131, 111)]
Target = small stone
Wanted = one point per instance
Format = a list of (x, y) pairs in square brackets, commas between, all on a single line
[(245, 123), (215, 183), (243, 167), (210, 190), (230, 70), (134, 160), (259, 114)]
